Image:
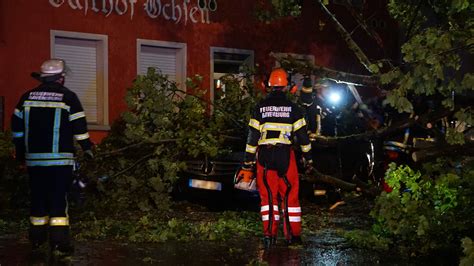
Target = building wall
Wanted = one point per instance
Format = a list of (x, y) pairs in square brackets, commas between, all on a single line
[(26, 40)]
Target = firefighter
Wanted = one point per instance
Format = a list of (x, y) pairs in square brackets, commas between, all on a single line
[(274, 124), (45, 123)]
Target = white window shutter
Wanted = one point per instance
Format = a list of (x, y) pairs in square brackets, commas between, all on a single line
[(81, 60), (161, 58)]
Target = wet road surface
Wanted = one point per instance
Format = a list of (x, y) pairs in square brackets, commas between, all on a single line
[(323, 245)]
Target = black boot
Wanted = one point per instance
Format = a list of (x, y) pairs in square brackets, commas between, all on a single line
[(63, 249), (268, 242), (60, 241), (38, 235), (294, 241), (274, 241)]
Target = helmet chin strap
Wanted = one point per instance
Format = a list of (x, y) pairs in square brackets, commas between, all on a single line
[(61, 80)]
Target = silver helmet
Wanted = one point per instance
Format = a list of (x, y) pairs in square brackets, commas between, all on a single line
[(53, 67)]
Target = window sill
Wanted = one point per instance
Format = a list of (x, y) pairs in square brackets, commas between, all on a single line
[(98, 127)]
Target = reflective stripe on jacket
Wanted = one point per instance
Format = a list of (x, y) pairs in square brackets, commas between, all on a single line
[(45, 123), (276, 121)]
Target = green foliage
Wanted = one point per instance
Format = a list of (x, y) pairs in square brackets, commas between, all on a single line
[(234, 104), (153, 228), (9, 226), (435, 58), (13, 179), (368, 240), (163, 127), (427, 210), (468, 248), (274, 9)]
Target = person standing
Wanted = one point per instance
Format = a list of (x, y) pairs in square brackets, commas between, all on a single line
[(275, 124), (44, 124)]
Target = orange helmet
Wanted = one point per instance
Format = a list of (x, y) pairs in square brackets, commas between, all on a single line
[(278, 78)]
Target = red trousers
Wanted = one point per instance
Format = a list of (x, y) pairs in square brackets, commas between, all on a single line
[(279, 196)]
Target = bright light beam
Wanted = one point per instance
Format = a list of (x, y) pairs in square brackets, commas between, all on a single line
[(335, 97)]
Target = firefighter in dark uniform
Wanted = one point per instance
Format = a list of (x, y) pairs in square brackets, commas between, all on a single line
[(275, 123), (45, 123)]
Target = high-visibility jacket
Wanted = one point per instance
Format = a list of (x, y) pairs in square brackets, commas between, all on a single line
[(45, 123), (276, 121)]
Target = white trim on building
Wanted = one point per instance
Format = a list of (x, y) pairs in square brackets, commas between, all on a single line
[(169, 57), (86, 57)]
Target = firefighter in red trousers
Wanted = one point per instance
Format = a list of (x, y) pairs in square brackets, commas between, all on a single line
[(45, 123), (275, 123)]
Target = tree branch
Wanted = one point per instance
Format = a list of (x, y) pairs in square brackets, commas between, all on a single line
[(364, 60), (426, 118), (106, 154), (306, 68), (371, 81), (364, 26), (314, 176), (438, 150), (133, 165)]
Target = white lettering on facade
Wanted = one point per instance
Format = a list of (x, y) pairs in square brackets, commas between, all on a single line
[(178, 11), (191, 14), (56, 3), (125, 7), (75, 6), (165, 14), (104, 7), (94, 7)]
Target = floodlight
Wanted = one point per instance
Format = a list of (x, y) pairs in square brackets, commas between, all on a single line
[(335, 97)]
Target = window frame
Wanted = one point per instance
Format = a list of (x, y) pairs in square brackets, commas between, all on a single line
[(102, 73), (309, 57), (182, 53), (214, 49)]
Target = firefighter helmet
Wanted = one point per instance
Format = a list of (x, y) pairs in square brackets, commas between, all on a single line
[(278, 78), (53, 67)]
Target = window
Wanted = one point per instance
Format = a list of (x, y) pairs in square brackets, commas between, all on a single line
[(228, 61), (297, 79), (86, 60), (167, 57)]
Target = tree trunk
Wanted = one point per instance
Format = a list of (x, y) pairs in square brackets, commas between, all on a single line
[(446, 150), (314, 176)]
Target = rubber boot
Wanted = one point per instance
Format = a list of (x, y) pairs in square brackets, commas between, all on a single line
[(294, 241), (268, 242), (60, 241), (38, 235)]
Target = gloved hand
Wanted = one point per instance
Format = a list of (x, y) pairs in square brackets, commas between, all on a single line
[(88, 155), (312, 136), (245, 178)]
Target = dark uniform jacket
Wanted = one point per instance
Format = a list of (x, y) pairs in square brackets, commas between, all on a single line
[(274, 124), (45, 123)]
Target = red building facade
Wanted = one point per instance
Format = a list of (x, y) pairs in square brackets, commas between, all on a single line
[(109, 42)]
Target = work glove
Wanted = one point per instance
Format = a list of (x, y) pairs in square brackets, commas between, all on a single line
[(88, 155), (245, 178)]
